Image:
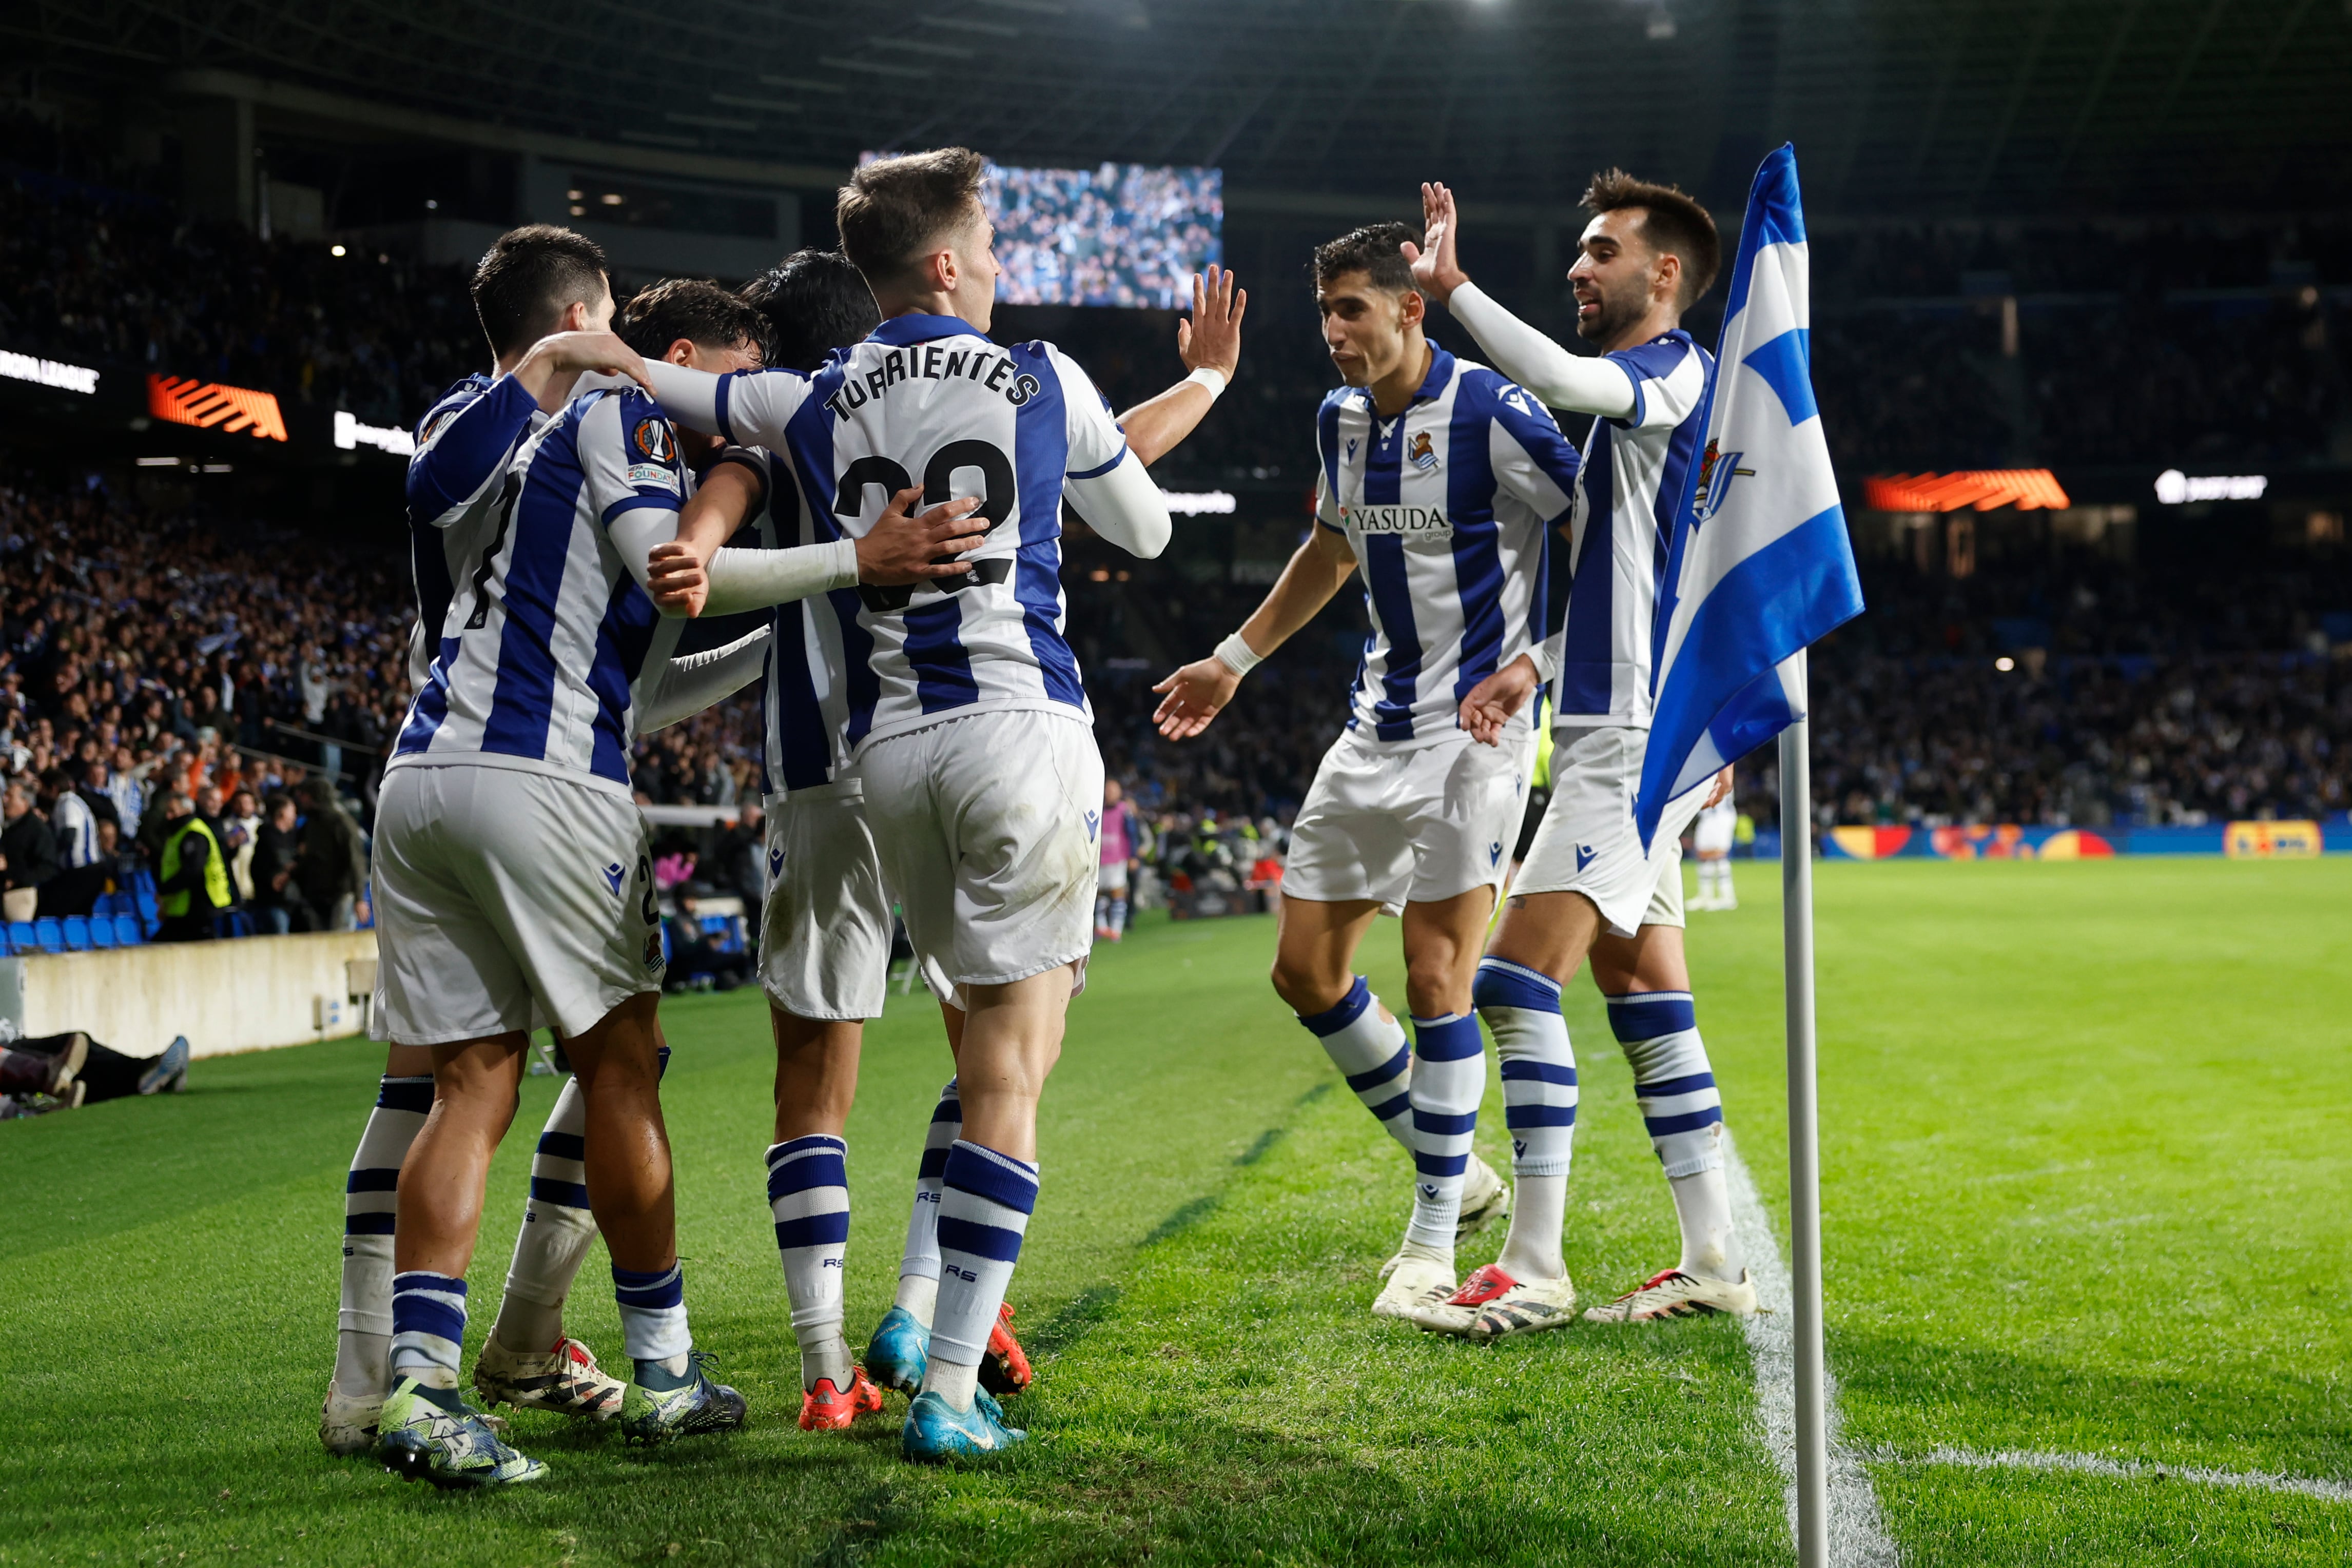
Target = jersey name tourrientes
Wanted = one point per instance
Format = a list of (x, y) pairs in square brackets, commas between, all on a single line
[(1449, 508), (924, 401), (547, 632), (463, 444), (1620, 529)]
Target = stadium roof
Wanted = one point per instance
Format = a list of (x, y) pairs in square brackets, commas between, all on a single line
[(1898, 106)]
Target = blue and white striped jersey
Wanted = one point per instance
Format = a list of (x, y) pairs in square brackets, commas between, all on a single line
[(925, 400), (1619, 531), (546, 638), (463, 445), (1449, 508)]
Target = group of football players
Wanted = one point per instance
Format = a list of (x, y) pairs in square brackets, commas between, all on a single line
[(841, 445)]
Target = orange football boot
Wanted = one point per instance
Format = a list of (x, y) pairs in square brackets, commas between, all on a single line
[(1005, 1368), (826, 1408)]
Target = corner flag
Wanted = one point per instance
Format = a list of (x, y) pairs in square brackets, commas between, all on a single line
[(1760, 565)]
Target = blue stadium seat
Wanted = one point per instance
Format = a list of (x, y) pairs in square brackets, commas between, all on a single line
[(128, 932), (104, 907), (231, 923), (102, 932), (22, 939), (143, 901), (49, 935), (75, 929)]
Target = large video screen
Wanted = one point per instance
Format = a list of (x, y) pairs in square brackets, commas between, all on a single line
[(1122, 234)]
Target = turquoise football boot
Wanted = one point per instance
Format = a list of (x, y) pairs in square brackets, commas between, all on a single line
[(936, 1433), (899, 1353)]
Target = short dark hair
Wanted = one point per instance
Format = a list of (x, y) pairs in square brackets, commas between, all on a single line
[(1373, 249), (529, 277), (895, 209), (700, 312), (278, 800), (814, 302), (1673, 224)]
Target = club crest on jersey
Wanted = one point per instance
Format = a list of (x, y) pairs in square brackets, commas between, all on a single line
[(1716, 470), (612, 875), (653, 440), (1420, 454), (654, 962)]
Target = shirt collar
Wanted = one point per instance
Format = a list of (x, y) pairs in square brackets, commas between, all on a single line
[(901, 331)]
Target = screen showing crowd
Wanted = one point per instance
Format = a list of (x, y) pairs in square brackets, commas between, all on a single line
[(1122, 234)]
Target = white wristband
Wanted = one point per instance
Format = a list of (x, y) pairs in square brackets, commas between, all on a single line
[(1237, 656), (1212, 378)]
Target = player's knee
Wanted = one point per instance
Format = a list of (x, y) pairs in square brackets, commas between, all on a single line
[(1433, 988), (1305, 989)]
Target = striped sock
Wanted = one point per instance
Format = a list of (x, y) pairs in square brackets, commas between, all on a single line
[(985, 1202), (1521, 1007), (808, 1192), (1449, 1077), (653, 1313), (1673, 1080), (919, 1270), (557, 1229), (428, 1327), (1675, 1084), (1371, 1053), (371, 1201)]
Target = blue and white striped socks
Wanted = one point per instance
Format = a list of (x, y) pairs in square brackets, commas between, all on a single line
[(1521, 1007), (428, 1327), (1674, 1083), (985, 1202), (1449, 1078), (1371, 1053), (808, 1193), (653, 1315), (919, 1270), (557, 1229), (370, 1199)]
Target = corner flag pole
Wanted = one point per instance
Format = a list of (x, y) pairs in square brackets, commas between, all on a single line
[(1804, 1132)]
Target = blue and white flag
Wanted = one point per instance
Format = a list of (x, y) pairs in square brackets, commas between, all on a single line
[(1760, 564)]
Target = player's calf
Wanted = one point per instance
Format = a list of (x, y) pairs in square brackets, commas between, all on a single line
[(1369, 1049)]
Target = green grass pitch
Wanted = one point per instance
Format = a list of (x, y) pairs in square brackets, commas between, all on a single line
[(2086, 1153)]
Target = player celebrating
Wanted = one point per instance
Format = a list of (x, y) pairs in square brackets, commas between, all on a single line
[(1440, 482), (1587, 888), (544, 304), (964, 720), (513, 884), (1711, 838)]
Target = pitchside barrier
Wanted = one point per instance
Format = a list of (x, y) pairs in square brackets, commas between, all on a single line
[(2008, 841), (247, 994)]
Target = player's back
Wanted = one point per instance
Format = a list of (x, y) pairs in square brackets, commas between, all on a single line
[(465, 445), (546, 635), (929, 401)]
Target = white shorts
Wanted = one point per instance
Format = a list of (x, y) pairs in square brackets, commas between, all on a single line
[(825, 933), (1112, 878), (1587, 842), (1408, 826), (990, 829), (508, 900), (1711, 834)]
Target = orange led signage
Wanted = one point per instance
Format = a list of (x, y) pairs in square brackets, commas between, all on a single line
[(209, 405), (2027, 489)]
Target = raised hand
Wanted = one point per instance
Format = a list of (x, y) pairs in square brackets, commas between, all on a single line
[(1194, 695), (1436, 261), (1212, 338), (1490, 705), (676, 579), (905, 547)]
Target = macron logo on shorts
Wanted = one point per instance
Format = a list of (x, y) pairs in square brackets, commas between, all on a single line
[(1495, 853), (775, 864), (1584, 854), (613, 875), (1093, 821)]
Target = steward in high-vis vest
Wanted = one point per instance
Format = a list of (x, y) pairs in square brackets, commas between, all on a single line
[(192, 881)]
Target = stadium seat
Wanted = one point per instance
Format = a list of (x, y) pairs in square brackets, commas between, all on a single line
[(76, 929), (143, 901), (22, 939), (128, 932), (231, 923), (101, 933), (49, 935)]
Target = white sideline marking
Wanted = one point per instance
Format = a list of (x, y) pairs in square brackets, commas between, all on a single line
[(2096, 1465), (1857, 1536)]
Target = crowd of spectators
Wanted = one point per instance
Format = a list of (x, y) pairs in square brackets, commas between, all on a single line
[(1122, 235)]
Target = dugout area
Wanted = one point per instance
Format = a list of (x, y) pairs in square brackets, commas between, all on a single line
[(2083, 1155)]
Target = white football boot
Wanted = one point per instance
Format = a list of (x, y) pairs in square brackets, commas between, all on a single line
[(1454, 1314), (1674, 1294), (1413, 1283), (563, 1378), (347, 1426), (1530, 1306)]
